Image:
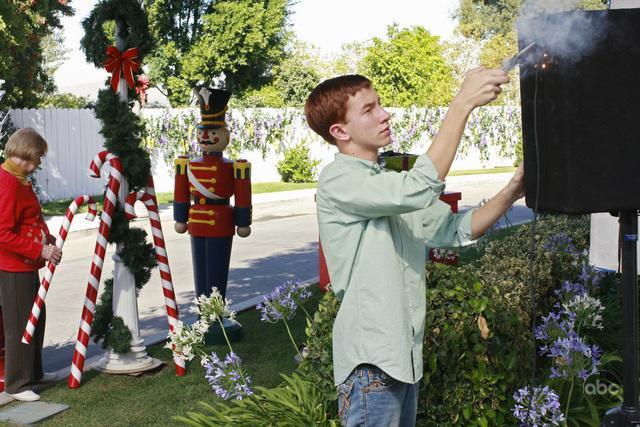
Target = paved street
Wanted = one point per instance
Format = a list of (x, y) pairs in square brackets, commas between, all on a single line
[(283, 245)]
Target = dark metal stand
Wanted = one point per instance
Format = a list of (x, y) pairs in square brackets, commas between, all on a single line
[(629, 413)]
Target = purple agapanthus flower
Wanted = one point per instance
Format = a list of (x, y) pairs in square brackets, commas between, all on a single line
[(590, 277), (553, 326), (560, 242), (568, 291), (537, 408), (226, 377), (283, 302), (572, 356)]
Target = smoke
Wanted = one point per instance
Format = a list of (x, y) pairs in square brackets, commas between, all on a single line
[(556, 26)]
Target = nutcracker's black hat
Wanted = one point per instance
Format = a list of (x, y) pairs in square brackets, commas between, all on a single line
[(213, 106)]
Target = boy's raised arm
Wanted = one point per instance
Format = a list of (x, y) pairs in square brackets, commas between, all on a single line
[(481, 86)]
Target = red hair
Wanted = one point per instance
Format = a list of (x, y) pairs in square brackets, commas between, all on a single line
[(327, 103)]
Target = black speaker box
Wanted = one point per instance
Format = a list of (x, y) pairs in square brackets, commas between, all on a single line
[(580, 90)]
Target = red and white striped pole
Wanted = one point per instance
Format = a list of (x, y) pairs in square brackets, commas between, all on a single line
[(110, 199), (148, 198), (38, 303)]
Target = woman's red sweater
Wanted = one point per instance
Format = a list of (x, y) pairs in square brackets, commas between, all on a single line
[(22, 228)]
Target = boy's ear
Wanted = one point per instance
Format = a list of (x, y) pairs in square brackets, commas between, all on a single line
[(338, 131)]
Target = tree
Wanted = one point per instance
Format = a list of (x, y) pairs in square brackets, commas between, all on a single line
[(204, 41), (409, 68), (297, 75), (483, 19), (24, 27), (66, 100), (349, 60), (292, 80)]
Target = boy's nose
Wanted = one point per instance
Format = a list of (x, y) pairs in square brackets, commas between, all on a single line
[(385, 115)]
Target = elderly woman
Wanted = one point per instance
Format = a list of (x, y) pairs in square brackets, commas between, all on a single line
[(25, 245)]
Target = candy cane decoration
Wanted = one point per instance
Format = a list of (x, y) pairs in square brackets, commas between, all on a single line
[(148, 198), (38, 303), (110, 199)]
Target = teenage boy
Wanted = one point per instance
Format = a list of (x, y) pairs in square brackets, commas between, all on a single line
[(373, 227)]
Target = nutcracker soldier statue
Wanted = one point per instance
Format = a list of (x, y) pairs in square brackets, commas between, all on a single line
[(203, 187)]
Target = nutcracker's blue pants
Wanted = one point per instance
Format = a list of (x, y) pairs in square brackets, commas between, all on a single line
[(211, 257)]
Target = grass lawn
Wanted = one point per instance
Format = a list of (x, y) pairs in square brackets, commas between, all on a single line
[(151, 400), (502, 169)]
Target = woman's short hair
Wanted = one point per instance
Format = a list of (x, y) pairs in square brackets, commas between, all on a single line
[(327, 103), (26, 144)]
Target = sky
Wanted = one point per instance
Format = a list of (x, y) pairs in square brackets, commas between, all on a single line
[(327, 24)]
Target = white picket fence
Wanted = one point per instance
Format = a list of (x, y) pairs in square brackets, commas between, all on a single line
[(74, 139)]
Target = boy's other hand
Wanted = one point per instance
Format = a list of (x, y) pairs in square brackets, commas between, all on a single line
[(516, 184), (481, 86)]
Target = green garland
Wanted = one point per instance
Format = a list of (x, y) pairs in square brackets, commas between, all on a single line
[(123, 132), (135, 29)]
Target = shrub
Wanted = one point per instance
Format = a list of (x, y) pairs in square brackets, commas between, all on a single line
[(471, 351), (505, 262), (318, 365), (469, 379), (297, 165)]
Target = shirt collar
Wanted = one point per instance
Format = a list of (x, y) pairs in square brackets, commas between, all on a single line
[(15, 170), (356, 161)]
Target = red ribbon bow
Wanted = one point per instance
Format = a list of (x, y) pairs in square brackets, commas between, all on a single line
[(125, 63), (142, 87)]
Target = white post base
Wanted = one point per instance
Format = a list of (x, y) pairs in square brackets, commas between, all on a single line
[(136, 361)]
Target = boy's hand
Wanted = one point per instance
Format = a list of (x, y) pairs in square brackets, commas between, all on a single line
[(515, 187), (481, 86)]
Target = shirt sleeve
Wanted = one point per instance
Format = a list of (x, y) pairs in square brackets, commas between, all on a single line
[(8, 238), (444, 229), (367, 194)]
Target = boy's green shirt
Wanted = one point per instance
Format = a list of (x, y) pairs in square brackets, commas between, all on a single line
[(373, 227)]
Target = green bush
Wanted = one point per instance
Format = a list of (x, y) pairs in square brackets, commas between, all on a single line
[(472, 352), (318, 365), (7, 128), (297, 165), (505, 263), (470, 380)]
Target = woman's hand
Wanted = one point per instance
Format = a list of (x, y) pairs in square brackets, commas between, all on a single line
[(51, 253)]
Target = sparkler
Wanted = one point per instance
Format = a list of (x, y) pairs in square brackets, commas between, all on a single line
[(508, 64)]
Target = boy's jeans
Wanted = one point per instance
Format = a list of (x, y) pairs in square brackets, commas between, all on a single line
[(370, 397)]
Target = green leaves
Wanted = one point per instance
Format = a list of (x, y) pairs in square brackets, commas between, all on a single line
[(297, 164), (408, 69), (242, 39), (296, 402), (24, 26)]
